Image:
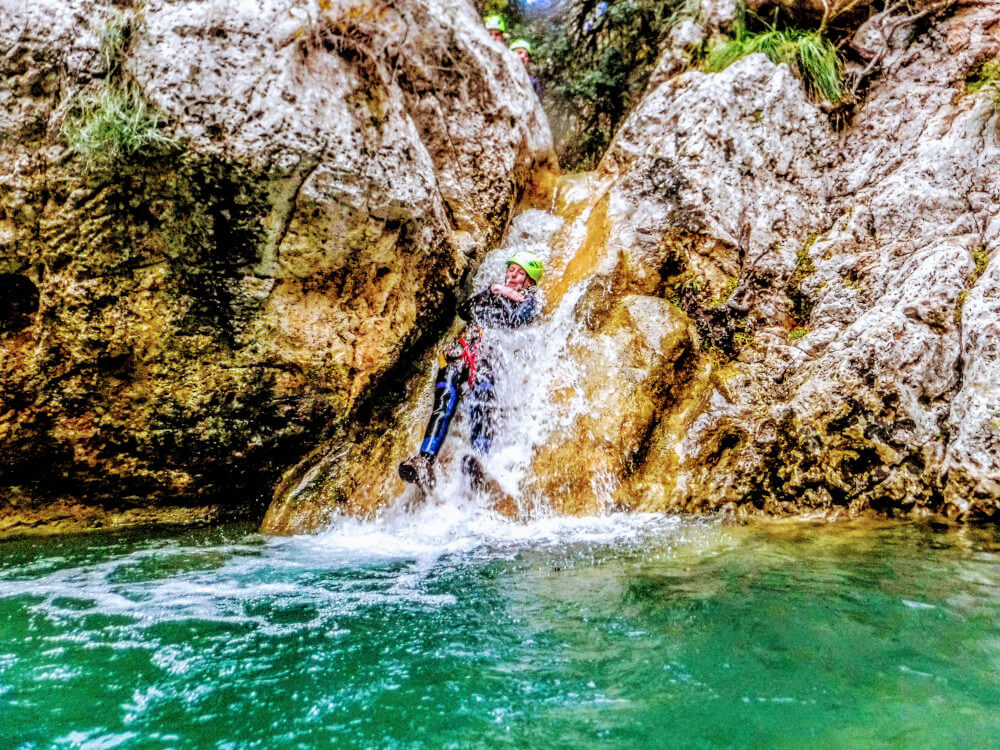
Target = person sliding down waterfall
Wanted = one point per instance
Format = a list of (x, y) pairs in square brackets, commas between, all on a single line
[(465, 369)]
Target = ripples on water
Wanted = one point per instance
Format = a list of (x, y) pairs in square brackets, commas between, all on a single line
[(438, 630)]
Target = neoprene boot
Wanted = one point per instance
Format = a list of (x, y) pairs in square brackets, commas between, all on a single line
[(418, 470)]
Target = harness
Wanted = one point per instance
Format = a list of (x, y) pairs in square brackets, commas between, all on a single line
[(470, 354)]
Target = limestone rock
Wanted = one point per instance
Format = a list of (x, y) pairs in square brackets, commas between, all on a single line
[(837, 349), (626, 369), (181, 325), (771, 314), (864, 287)]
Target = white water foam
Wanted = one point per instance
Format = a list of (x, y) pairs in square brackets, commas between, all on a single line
[(353, 566), (452, 528), (530, 366)]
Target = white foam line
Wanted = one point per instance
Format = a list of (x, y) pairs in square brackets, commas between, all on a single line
[(434, 532)]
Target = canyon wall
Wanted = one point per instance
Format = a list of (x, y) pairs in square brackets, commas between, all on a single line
[(223, 227), (783, 306)]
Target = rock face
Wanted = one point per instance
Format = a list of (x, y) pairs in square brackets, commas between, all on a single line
[(179, 324), (862, 291), (627, 363), (757, 304), (777, 308)]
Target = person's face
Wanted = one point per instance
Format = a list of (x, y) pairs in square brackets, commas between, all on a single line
[(497, 34), (523, 55), (517, 277)]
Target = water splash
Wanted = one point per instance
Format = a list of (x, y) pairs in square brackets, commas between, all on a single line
[(437, 530), (402, 553)]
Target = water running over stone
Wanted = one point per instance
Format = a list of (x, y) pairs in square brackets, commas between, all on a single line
[(537, 386), (540, 396)]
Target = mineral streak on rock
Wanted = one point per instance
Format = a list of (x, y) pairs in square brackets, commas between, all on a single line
[(180, 325)]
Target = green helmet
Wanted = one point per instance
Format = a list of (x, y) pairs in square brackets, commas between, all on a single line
[(530, 262), (520, 44), (496, 23)]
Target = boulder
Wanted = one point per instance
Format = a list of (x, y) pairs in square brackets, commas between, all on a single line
[(626, 369), (184, 316), (863, 314)]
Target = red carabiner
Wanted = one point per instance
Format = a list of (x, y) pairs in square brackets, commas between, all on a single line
[(470, 355)]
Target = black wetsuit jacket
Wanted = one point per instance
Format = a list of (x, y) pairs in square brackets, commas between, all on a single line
[(492, 310)]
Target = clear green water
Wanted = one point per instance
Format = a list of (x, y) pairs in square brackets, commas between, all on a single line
[(637, 633)]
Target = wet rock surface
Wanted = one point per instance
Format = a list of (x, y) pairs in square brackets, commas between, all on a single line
[(629, 364), (850, 358), (777, 312), (179, 326)]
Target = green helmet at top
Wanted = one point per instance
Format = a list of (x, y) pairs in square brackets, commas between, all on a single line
[(530, 262), (520, 44), (495, 23)]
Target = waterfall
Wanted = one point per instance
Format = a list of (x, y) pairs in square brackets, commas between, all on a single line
[(535, 389), (578, 393)]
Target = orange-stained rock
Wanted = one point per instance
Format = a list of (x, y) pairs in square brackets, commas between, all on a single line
[(626, 371)]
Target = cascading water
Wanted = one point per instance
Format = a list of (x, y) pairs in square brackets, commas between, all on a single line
[(537, 397), (529, 370), (543, 399)]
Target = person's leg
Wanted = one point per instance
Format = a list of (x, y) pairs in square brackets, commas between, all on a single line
[(418, 470), (446, 395), (482, 416)]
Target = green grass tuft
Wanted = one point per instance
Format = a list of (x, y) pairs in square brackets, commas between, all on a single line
[(809, 53), (981, 257), (114, 127), (114, 39)]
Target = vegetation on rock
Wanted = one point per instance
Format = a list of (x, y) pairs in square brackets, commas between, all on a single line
[(595, 59), (985, 77), (115, 37), (116, 124), (113, 127), (981, 256), (809, 53)]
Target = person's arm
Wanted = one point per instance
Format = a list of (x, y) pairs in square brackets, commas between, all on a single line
[(500, 306), (525, 312), (465, 308), (506, 291), (538, 87)]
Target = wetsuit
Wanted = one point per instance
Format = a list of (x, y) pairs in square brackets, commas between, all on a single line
[(538, 87), (464, 370)]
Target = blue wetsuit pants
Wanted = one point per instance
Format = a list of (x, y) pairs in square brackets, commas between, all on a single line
[(451, 384)]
